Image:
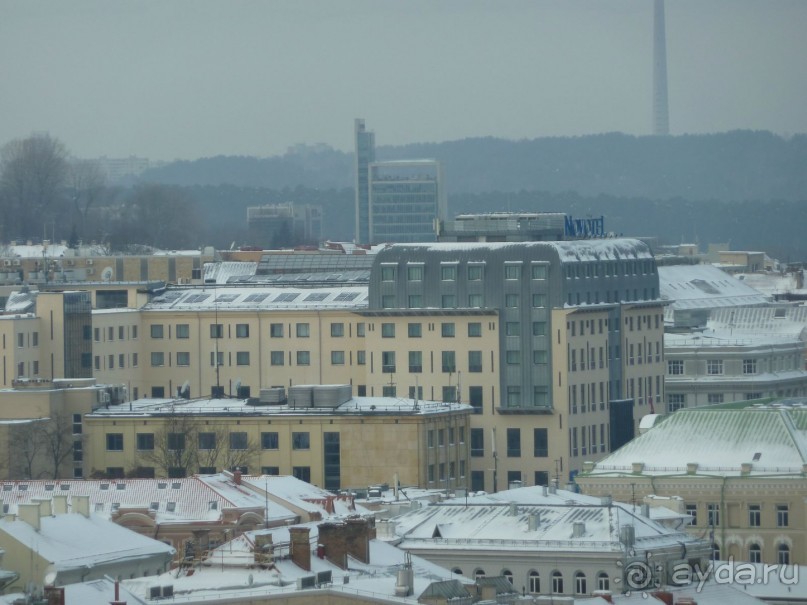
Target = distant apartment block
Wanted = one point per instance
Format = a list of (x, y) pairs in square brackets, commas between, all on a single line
[(396, 201), (284, 225)]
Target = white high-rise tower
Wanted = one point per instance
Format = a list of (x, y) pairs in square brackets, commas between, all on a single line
[(661, 112)]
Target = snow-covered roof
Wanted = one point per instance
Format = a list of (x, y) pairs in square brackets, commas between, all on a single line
[(704, 287), (772, 283), (20, 302), (171, 500), (725, 336), (231, 298), (224, 271), (772, 439), (354, 406), (568, 251), (786, 320), (47, 251), (101, 541), (502, 520)]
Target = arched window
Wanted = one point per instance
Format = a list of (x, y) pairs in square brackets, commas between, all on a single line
[(479, 573), (715, 551), (603, 581), (535, 582), (580, 583), (508, 574), (755, 553), (783, 554), (457, 571), (557, 582)]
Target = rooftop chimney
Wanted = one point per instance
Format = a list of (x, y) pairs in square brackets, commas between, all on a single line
[(263, 550), (81, 505), (534, 520), (237, 477), (578, 529), (301, 547), (349, 537), (59, 504), (637, 467), (29, 512), (692, 468)]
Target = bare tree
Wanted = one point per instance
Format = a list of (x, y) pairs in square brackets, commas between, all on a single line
[(157, 215), (222, 449), (27, 449), (33, 173), (175, 446), (87, 182), (58, 442)]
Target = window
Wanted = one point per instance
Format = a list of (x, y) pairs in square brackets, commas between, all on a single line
[(134, 332), (513, 357), (242, 358), (302, 330), (414, 273), (448, 272), (511, 300), (714, 398), (415, 301), (183, 358), (449, 361), (508, 574), (238, 440), (360, 329), (216, 330), (134, 360), (414, 330), (157, 331), (603, 581), (513, 396), (580, 583), (337, 358), (534, 582), (387, 330), (749, 366), (539, 271), (541, 443), (114, 442), (216, 358), (675, 401), (300, 441), (387, 301), (477, 443), (782, 515), (303, 473), (539, 328), (157, 359), (692, 511), (207, 441), (388, 362), (110, 362), (387, 273), (474, 329), (474, 361), (449, 394), (474, 272), (475, 301), (242, 330), (183, 331), (513, 443), (337, 330), (538, 300), (121, 360), (557, 582), (714, 367), (754, 515), (512, 328), (176, 442), (270, 470), (361, 357), (270, 441), (447, 330), (675, 367), (755, 553), (512, 271), (713, 515), (448, 301), (277, 358), (415, 362), (303, 358), (539, 357), (475, 399), (783, 554), (276, 330)]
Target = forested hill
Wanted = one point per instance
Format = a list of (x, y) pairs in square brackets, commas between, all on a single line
[(732, 166)]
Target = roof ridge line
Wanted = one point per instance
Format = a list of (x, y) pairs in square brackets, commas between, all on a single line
[(795, 434)]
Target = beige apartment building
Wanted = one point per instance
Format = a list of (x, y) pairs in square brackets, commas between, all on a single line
[(740, 469), (350, 442)]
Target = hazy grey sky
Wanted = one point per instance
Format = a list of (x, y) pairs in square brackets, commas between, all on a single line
[(192, 78)]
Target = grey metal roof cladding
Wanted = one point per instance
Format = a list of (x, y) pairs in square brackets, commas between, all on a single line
[(272, 264)]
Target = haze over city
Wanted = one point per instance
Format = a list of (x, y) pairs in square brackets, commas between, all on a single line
[(194, 79)]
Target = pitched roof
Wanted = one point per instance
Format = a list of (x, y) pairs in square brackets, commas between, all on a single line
[(772, 438)]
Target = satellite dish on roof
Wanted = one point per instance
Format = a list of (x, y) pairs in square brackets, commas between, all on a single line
[(107, 273)]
